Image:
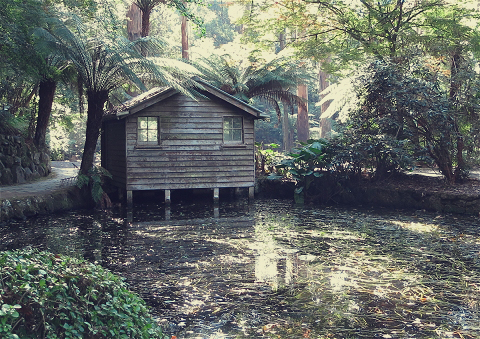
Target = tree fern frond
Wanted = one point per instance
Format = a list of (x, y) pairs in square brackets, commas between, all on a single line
[(272, 82)]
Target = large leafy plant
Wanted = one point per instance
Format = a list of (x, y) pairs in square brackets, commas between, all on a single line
[(305, 164), (43, 295)]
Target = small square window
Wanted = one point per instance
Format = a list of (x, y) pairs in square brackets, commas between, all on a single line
[(232, 129), (148, 130)]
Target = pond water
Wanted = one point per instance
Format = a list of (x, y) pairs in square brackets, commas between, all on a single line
[(269, 269)]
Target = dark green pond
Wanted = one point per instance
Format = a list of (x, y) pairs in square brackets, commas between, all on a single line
[(269, 269)]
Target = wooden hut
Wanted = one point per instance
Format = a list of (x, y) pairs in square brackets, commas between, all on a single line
[(165, 140)]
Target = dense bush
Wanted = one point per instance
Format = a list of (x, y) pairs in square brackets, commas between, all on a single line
[(411, 110), (43, 295), (326, 167)]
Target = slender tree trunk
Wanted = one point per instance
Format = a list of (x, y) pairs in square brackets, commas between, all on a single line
[(146, 22), (134, 32), (302, 117), (282, 41), (286, 127), (134, 23), (46, 93), (96, 102), (454, 81), (455, 86), (287, 133), (325, 124), (184, 28), (323, 84)]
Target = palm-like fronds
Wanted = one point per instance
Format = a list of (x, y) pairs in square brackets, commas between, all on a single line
[(272, 82), (106, 64)]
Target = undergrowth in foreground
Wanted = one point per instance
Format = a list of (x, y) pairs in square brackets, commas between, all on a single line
[(43, 295)]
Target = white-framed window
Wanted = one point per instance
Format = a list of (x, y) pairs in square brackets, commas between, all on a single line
[(232, 129), (148, 130)]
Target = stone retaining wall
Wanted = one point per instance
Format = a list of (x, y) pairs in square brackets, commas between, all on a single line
[(64, 199), (21, 162), (376, 196), (361, 195)]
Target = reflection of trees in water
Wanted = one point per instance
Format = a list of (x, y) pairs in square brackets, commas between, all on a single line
[(74, 234), (336, 270), (19, 234), (81, 237)]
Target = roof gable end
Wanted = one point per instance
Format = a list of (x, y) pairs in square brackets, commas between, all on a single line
[(157, 95)]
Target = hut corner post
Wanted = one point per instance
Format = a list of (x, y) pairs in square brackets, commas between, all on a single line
[(129, 198), (168, 200), (251, 192)]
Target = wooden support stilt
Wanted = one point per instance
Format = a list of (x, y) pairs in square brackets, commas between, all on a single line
[(251, 193), (167, 197), (129, 198), (216, 194)]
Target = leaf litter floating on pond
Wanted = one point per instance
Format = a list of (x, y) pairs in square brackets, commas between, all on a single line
[(271, 269)]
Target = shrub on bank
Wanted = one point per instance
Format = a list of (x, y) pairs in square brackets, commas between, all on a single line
[(43, 295)]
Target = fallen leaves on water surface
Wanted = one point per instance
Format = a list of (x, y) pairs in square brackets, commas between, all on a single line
[(286, 272), (431, 184)]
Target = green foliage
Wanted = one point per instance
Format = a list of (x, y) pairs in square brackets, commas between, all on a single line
[(265, 159), (146, 6), (404, 108), (8, 123), (66, 133), (339, 33), (272, 82), (18, 18), (372, 153), (268, 130), (221, 28), (341, 160), (43, 295), (305, 164), (94, 180)]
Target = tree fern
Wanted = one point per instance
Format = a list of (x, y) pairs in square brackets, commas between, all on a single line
[(272, 82)]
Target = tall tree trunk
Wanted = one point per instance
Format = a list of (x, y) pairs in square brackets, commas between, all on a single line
[(286, 127), (282, 41), (325, 124), (454, 81), (323, 84), (46, 93), (287, 133), (134, 23), (302, 116), (96, 103), (146, 22), (184, 28)]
